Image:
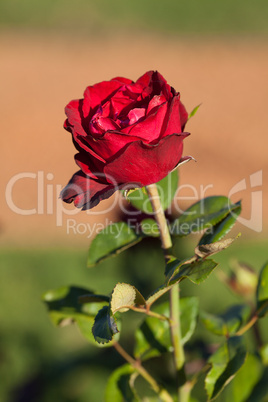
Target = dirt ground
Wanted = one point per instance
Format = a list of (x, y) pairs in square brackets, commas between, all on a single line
[(39, 75)]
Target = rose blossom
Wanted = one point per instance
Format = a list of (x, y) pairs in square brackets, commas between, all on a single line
[(126, 133)]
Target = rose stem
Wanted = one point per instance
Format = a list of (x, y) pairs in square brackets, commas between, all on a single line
[(163, 394), (253, 320), (175, 327)]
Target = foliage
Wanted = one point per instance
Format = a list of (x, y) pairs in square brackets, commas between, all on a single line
[(99, 316)]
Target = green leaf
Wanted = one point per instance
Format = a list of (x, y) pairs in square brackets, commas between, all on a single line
[(189, 312), (157, 294), (177, 270), (245, 380), (112, 240), (149, 227), (218, 231), (65, 308), (118, 388), (204, 250), (173, 265), (262, 292), (64, 304), (125, 296), (93, 298), (193, 112), (264, 354), (196, 271), (153, 336), (104, 326), (227, 323), (65, 301), (225, 363), (167, 188), (202, 215), (85, 326), (259, 393)]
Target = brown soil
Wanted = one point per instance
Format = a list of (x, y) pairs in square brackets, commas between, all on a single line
[(39, 75)]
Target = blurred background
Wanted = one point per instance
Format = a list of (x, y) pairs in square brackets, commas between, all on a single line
[(214, 53)]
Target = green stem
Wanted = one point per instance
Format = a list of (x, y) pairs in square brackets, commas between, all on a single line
[(175, 326), (150, 313), (185, 392), (253, 320), (243, 330), (160, 219), (163, 394)]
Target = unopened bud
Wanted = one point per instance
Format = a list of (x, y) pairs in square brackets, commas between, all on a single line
[(243, 279)]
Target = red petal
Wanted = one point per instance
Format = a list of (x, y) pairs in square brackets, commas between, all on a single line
[(133, 90), (86, 192), (157, 100), (184, 116), (150, 128), (145, 79), (120, 103), (157, 82), (107, 145), (136, 114), (173, 125), (145, 163), (123, 80), (99, 94), (125, 99), (103, 124), (92, 167), (74, 118), (84, 144)]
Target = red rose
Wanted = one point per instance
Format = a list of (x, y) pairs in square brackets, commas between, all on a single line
[(126, 133)]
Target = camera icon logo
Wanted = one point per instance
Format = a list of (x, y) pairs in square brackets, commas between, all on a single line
[(255, 220)]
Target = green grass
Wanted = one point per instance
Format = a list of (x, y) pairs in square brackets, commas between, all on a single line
[(171, 16), (58, 361)]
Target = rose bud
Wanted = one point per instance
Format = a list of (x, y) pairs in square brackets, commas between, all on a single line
[(244, 278), (128, 134)]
